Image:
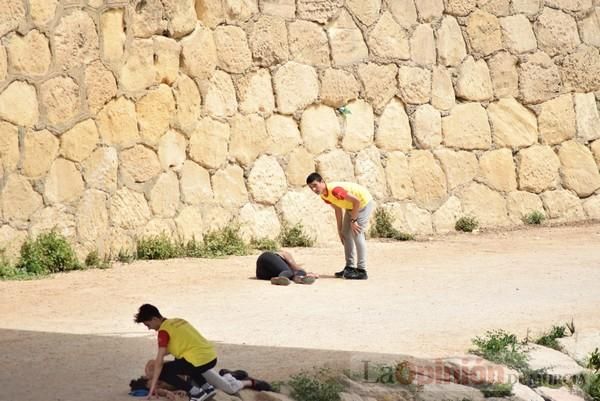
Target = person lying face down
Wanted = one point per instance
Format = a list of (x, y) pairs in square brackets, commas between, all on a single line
[(281, 268)]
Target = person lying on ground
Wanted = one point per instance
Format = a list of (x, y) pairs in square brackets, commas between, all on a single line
[(282, 269)]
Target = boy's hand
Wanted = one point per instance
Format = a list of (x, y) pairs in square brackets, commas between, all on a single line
[(151, 393), (355, 228)]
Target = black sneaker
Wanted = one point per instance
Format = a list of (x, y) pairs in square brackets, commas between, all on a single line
[(357, 274), (204, 394), (343, 272)]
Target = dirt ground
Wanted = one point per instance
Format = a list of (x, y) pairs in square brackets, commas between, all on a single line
[(70, 337)]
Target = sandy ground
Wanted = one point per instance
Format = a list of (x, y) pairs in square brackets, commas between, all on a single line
[(71, 336)]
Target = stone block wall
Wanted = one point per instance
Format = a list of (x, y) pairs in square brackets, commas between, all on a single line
[(120, 119)]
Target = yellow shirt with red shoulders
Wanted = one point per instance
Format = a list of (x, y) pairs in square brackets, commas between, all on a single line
[(182, 340), (337, 194)]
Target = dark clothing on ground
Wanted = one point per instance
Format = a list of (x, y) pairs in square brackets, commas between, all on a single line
[(270, 264), (172, 369)]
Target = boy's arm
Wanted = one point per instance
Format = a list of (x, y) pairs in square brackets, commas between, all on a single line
[(158, 365), (289, 259), (339, 214)]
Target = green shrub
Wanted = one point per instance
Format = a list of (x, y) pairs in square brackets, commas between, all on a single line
[(295, 236), (593, 361), (125, 256), (535, 217), (536, 378), (383, 227), (500, 347), (48, 253), (157, 247), (497, 390), (264, 244), (590, 384), (93, 260), (7, 269), (224, 242), (549, 339), (466, 224), (321, 387)]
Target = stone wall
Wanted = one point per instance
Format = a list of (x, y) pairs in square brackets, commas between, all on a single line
[(120, 119)]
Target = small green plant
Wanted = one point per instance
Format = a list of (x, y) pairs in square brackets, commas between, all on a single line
[(94, 261), (500, 347), (497, 390), (157, 247), (48, 253), (593, 361), (319, 387), (590, 384), (535, 217), (7, 269), (571, 326), (536, 377), (295, 236), (383, 227), (466, 224), (264, 244), (224, 242), (125, 256), (548, 339)]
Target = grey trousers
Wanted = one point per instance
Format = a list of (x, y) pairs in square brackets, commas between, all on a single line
[(355, 245)]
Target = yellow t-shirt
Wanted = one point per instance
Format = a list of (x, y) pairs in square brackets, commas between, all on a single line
[(336, 194), (184, 341)]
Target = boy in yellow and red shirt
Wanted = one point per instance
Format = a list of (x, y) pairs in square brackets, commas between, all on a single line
[(358, 204)]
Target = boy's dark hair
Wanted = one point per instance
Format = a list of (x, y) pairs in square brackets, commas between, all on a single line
[(146, 312), (312, 177)]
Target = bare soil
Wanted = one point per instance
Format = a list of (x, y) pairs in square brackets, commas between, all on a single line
[(71, 336)]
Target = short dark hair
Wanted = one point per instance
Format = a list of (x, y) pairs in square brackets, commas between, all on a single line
[(146, 312), (312, 177)]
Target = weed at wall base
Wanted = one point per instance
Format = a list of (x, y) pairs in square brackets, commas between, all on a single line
[(295, 236), (535, 217), (48, 253), (318, 387), (383, 227), (466, 224)]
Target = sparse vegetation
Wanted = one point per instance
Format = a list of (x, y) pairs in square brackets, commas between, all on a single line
[(500, 347), (383, 227), (318, 387), (295, 236), (264, 244), (48, 253), (535, 217), (125, 256), (157, 247), (497, 390), (224, 242), (593, 361), (548, 339), (94, 261), (466, 224), (590, 384)]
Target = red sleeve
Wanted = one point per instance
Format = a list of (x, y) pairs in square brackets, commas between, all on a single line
[(163, 339), (339, 193)]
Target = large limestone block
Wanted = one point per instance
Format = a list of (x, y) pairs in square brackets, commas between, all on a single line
[(527, 7), (338, 87), (504, 75), (189, 224), (268, 41), (500, 8), (410, 218), (308, 43), (28, 54), (101, 85), (444, 219), (156, 227), (520, 204), (56, 218), (359, 130), (556, 32), (429, 10), (367, 11), (167, 53), (255, 93), (398, 178), (451, 49), (300, 164), (393, 130), (539, 78), (414, 84), (581, 344), (317, 10), (518, 34), (138, 72), (459, 167), (239, 11), (346, 41), (556, 120), (563, 206), (266, 180), (497, 170), (588, 119), (429, 180), (195, 184), (139, 164), (538, 169), (113, 35), (188, 100), (513, 126), (60, 97), (234, 55), (19, 104), (296, 86), (199, 53), (422, 45), (63, 183), (580, 70), (209, 134), (335, 165), (147, 18), (216, 217), (171, 150), (258, 221), (3, 63), (128, 209), (403, 11), (570, 5), (117, 123), (40, 148), (370, 173), (460, 8), (486, 205), (427, 125), (388, 40), (12, 13), (100, 169), (589, 27), (249, 138), (591, 206), (154, 112), (578, 171), (316, 217), (379, 83), (485, 35), (284, 135), (595, 147), (474, 82), (93, 220), (442, 90), (164, 195), (320, 129), (229, 187), (467, 127), (181, 17), (19, 200), (75, 40), (219, 95), (281, 8), (78, 143), (9, 147)]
